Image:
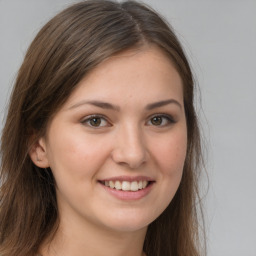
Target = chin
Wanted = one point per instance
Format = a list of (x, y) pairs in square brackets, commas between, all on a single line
[(130, 221)]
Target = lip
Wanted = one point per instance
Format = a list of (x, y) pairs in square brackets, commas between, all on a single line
[(128, 195), (128, 178)]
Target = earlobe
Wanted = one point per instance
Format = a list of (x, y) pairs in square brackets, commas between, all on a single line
[(38, 153)]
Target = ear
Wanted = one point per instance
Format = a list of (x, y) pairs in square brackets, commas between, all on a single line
[(38, 153)]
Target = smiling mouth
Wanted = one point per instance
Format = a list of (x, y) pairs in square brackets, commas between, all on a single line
[(126, 185)]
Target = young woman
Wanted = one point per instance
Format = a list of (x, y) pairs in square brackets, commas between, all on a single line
[(101, 147)]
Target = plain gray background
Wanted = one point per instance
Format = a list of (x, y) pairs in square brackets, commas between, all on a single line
[(220, 40)]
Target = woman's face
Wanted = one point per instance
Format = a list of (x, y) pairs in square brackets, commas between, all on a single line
[(117, 146)]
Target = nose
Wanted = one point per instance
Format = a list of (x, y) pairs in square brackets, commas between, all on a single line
[(130, 148)]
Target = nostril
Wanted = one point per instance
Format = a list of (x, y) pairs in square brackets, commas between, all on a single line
[(131, 159), (129, 147)]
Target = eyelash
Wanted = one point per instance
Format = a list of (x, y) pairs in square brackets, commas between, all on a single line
[(168, 120), (91, 117)]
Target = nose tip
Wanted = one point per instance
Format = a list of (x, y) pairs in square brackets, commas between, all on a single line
[(130, 149), (133, 160)]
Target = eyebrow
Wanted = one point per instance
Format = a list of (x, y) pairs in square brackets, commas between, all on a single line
[(96, 103), (105, 105), (163, 103)]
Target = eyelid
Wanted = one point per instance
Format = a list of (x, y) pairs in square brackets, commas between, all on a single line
[(89, 117), (170, 119)]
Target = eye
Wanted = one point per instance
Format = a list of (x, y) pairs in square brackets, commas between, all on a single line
[(96, 121), (160, 120)]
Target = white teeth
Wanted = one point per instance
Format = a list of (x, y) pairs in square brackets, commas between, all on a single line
[(127, 185), (144, 183), (111, 184), (140, 184), (134, 186), (118, 185)]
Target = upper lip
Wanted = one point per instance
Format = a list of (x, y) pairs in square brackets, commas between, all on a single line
[(128, 178)]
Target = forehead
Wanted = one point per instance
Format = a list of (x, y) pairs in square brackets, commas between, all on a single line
[(146, 72), (147, 57)]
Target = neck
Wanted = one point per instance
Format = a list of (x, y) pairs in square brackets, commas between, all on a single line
[(79, 240)]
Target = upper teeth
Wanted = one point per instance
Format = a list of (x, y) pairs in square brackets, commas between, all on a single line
[(126, 185)]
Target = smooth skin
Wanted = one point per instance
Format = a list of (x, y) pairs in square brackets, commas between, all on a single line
[(125, 118)]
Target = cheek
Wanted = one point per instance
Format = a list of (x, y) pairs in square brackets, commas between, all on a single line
[(76, 155), (171, 154), (169, 158)]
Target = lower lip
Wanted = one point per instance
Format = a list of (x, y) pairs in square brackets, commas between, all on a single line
[(128, 195)]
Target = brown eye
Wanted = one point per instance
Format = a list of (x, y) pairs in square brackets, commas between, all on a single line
[(95, 122), (160, 120), (157, 120)]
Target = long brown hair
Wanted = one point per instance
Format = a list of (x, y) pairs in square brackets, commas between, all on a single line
[(64, 51)]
